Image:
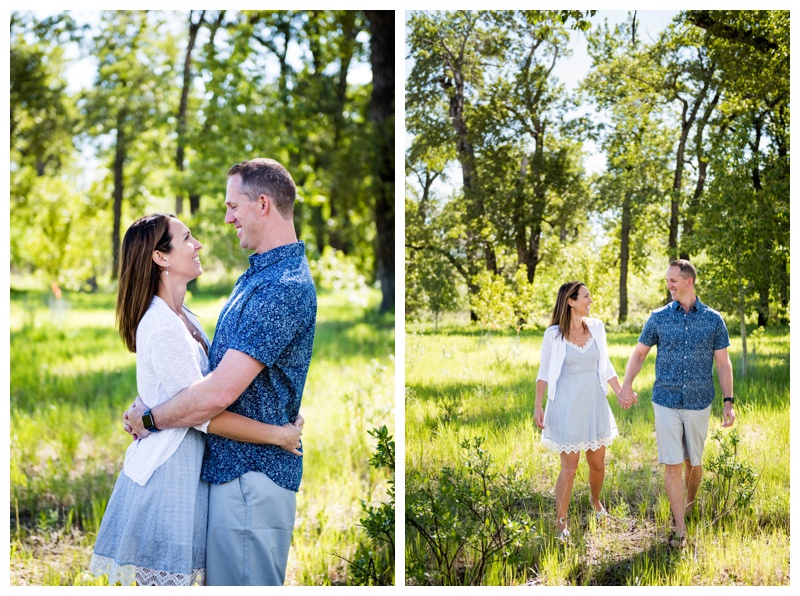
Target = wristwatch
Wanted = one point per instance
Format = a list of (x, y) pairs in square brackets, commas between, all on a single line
[(148, 422), (730, 399)]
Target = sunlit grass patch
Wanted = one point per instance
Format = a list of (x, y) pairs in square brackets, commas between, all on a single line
[(468, 385), (72, 379)]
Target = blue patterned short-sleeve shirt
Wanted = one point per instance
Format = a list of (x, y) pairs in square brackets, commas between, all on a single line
[(270, 316), (685, 357)]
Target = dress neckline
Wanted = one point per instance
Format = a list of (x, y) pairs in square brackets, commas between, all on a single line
[(584, 347)]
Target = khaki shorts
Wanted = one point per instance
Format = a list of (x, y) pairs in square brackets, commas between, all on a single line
[(250, 523), (681, 434)]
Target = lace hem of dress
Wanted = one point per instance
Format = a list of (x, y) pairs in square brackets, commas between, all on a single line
[(580, 445), (584, 347), (126, 575)]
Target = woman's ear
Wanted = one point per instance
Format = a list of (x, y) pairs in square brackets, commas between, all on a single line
[(159, 259)]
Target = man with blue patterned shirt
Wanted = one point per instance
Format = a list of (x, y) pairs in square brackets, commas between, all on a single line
[(259, 360), (691, 337)]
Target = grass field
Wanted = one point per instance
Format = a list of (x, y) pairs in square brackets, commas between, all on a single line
[(468, 499), (71, 381)]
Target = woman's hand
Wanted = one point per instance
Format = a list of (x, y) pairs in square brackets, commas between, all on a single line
[(291, 441), (134, 414), (538, 416), (299, 421)]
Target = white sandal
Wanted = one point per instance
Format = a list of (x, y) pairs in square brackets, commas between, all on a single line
[(564, 535)]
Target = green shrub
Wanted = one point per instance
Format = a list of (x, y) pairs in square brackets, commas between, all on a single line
[(373, 562), (733, 482), (465, 519)]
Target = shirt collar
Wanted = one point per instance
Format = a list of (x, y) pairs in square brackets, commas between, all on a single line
[(279, 253), (696, 306)]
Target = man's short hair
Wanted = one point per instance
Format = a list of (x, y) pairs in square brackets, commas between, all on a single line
[(262, 176), (687, 269)]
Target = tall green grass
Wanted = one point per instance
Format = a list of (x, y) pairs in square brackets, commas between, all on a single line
[(72, 379), (461, 383)]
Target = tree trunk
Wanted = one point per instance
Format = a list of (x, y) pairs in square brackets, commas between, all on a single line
[(381, 23), (742, 326), (466, 157), (624, 256), (702, 167), (539, 204), (119, 166), (688, 117), (520, 229), (187, 81), (342, 234)]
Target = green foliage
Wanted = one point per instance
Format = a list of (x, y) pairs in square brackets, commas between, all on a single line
[(732, 487), (465, 518), (334, 271), (694, 130), (373, 562), (501, 304), (86, 163), (508, 127), (493, 304)]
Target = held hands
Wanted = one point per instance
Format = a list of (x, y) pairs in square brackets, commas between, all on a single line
[(132, 419), (292, 442), (627, 398), (728, 415)]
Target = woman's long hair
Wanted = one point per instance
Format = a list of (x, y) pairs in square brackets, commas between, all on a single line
[(562, 313), (139, 275)]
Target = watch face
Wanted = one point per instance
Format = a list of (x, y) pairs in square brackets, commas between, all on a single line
[(147, 420)]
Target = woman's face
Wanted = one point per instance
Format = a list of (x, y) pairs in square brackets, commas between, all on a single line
[(583, 303), (184, 260)]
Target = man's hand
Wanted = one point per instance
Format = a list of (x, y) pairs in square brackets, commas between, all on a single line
[(291, 442), (626, 397), (133, 419), (728, 416)]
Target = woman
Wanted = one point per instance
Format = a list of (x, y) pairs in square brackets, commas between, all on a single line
[(154, 528), (574, 370)]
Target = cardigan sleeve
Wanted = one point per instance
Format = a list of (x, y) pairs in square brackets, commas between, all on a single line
[(544, 359), (610, 373)]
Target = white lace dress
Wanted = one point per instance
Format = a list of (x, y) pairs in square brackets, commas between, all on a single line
[(579, 418)]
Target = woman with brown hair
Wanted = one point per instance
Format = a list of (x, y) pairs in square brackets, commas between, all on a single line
[(154, 528), (574, 369)]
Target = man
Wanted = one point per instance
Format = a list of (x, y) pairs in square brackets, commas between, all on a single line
[(259, 361), (690, 336)]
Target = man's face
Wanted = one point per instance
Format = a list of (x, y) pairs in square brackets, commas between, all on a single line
[(245, 215), (678, 286)]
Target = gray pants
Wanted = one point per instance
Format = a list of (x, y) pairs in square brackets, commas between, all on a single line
[(250, 521)]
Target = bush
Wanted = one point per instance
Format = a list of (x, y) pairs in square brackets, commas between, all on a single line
[(464, 520), (373, 563), (733, 482)]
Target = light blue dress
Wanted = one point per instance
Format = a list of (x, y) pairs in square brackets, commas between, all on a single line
[(579, 418), (156, 534)]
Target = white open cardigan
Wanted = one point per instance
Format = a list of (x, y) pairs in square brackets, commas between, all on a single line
[(554, 349), (168, 359)]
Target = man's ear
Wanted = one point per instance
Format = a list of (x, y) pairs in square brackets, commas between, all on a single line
[(266, 204)]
